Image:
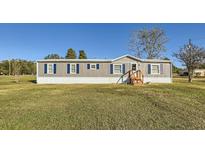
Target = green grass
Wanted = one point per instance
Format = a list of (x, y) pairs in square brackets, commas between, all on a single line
[(26, 105)]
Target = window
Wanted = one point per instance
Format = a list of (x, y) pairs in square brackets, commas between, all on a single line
[(117, 68), (50, 69), (93, 66), (73, 68), (155, 69)]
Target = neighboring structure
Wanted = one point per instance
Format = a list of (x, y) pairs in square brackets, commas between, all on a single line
[(196, 73), (69, 71), (183, 72), (199, 72)]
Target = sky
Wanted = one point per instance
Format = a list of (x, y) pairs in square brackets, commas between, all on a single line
[(35, 41)]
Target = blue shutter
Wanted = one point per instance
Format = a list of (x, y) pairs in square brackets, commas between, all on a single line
[(54, 67), (88, 66), (123, 68), (78, 68), (111, 68), (98, 66), (68, 68), (45, 68), (149, 68), (161, 68)]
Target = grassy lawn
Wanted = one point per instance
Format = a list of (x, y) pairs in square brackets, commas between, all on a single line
[(26, 105)]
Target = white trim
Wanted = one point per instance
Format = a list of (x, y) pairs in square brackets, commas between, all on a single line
[(114, 69), (37, 70), (151, 69), (93, 68), (48, 68), (71, 68), (79, 80), (158, 79), (96, 80)]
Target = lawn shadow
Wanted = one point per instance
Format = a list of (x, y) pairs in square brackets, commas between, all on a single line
[(32, 81)]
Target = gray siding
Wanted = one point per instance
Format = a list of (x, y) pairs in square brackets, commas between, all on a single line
[(104, 69), (166, 72), (61, 71)]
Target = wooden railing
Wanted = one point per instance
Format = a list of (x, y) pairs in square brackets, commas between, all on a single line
[(134, 77)]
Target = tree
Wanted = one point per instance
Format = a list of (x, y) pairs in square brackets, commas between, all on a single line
[(52, 56), (202, 66), (148, 43), (82, 55), (32, 67), (176, 69), (4, 67), (15, 67), (71, 54), (24, 69), (27, 67), (192, 57)]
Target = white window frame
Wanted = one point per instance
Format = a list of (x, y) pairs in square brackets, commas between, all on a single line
[(48, 68), (114, 69), (71, 68), (93, 68), (151, 69)]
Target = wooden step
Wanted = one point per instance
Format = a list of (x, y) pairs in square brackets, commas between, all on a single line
[(136, 77)]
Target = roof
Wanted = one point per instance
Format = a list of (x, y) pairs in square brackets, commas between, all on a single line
[(156, 60), (127, 55), (74, 60), (103, 60)]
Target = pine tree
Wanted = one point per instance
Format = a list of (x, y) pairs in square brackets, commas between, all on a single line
[(82, 54), (70, 54)]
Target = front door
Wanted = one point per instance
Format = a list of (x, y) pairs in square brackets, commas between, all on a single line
[(134, 67)]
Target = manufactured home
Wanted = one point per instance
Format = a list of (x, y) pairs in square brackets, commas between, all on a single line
[(124, 69), (199, 72)]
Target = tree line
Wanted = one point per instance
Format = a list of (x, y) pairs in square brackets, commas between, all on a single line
[(17, 67), (25, 67)]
